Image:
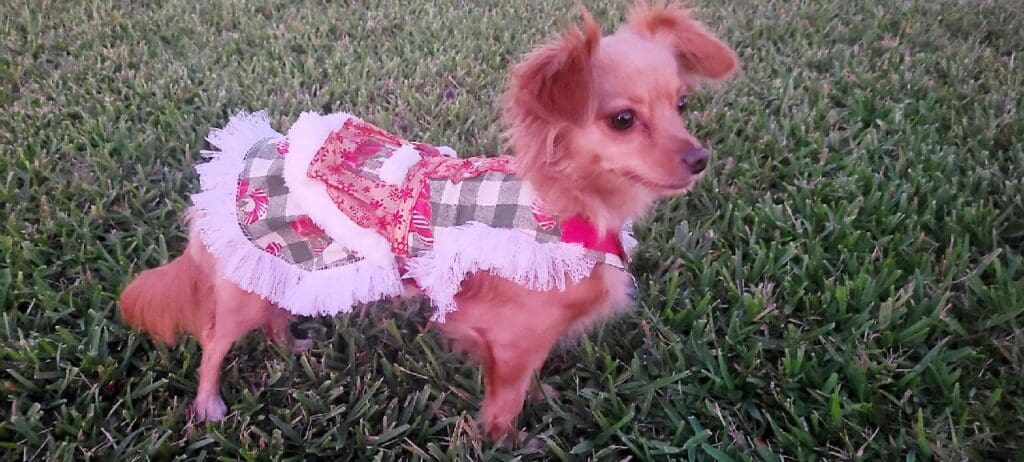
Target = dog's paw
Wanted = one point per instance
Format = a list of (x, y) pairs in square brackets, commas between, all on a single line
[(210, 409), (529, 445), (301, 346), (501, 430), (518, 440), (539, 394)]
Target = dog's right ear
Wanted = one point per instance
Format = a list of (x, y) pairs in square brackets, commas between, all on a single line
[(555, 82)]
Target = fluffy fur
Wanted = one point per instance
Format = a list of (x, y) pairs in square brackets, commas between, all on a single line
[(558, 107)]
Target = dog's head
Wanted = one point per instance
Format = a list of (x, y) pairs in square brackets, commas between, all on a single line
[(609, 113)]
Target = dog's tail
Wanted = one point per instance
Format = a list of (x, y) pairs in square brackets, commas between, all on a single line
[(168, 300)]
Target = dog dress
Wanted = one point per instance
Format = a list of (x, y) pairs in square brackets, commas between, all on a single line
[(339, 212)]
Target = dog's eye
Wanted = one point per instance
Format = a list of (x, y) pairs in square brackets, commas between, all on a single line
[(623, 120), (682, 104)]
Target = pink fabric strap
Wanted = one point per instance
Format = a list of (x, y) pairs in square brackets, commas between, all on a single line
[(578, 230)]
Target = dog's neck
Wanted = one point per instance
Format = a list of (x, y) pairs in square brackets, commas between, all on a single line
[(607, 207)]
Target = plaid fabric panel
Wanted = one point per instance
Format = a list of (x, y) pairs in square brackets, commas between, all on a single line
[(499, 200), (270, 219), (496, 199), (607, 258)]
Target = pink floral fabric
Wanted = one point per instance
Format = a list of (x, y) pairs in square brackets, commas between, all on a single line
[(251, 202), (347, 164)]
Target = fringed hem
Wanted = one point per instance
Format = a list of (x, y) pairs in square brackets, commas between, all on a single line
[(508, 254), (629, 242), (324, 292)]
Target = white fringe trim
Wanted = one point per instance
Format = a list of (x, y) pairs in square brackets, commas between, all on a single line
[(395, 168), (509, 254), (324, 292), (629, 242), (305, 138)]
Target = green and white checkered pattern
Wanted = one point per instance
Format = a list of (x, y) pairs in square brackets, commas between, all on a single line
[(264, 169), (498, 200)]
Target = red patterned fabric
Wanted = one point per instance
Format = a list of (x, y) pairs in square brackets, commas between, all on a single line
[(251, 202)]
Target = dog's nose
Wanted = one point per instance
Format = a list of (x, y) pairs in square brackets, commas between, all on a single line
[(696, 159)]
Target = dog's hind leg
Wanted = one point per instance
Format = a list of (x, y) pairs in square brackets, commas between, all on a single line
[(236, 313)]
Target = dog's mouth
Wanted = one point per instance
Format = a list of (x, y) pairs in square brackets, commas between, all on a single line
[(672, 188)]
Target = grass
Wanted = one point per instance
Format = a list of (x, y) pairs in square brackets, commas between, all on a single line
[(847, 284)]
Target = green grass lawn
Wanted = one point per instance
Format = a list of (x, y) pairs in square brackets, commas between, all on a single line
[(848, 282)]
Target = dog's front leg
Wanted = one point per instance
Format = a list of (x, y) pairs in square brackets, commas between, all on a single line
[(510, 330), (510, 353), (506, 378)]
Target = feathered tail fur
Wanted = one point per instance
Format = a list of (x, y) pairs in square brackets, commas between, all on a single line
[(170, 300)]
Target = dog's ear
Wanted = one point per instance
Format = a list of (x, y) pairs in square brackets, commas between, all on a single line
[(699, 52), (555, 82)]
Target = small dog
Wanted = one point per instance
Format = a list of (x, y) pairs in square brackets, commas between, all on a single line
[(598, 133)]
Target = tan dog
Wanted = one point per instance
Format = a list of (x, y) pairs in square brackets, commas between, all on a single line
[(597, 126)]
